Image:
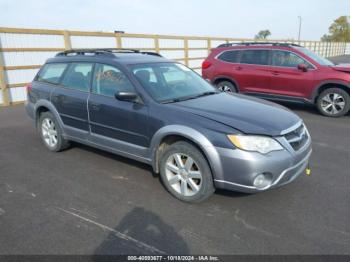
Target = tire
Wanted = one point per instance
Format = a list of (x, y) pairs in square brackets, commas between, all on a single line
[(194, 186), (51, 133), (333, 102), (226, 86)]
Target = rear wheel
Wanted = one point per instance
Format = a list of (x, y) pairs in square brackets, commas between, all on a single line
[(226, 86), (185, 172), (333, 102), (51, 133)]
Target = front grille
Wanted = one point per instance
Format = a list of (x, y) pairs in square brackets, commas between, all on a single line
[(298, 137)]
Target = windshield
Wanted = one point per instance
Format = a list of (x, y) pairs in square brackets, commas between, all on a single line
[(319, 59), (171, 82)]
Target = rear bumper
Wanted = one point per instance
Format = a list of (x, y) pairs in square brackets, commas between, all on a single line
[(240, 168), (30, 109)]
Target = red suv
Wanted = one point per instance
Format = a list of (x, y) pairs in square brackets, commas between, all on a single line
[(279, 71)]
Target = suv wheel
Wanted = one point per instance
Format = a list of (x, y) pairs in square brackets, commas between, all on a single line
[(185, 173), (51, 133), (333, 102), (226, 86)]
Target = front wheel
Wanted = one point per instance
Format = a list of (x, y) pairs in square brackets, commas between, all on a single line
[(185, 172), (333, 102), (226, 86)]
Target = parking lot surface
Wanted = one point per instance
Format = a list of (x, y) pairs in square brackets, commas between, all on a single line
[(85, 201)]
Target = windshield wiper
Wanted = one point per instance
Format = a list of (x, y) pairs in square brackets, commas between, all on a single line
[(208, 93), (175, 100)]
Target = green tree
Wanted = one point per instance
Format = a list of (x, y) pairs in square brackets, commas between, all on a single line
[(263, 34), (339, 31)]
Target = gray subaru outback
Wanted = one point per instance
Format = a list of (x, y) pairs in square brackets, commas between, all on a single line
[(148, 108)]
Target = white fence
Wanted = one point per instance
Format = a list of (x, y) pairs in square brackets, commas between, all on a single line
[(23, 51), (347, 49)]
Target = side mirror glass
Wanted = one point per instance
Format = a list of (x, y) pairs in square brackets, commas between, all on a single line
[(302, 67)]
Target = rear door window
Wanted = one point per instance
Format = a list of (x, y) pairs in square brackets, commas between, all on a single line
[(51, 73), (230, 56), (78, 76), (255, 57)]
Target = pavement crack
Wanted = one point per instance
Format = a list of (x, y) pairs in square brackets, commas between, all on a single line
[(250, 226), (138, 243)]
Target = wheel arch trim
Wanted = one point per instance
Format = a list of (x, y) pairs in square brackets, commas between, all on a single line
[(228, 78), (51, 108), (192, 135), (315, 92)]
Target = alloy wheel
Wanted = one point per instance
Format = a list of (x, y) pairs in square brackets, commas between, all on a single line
[(333, 103), (225, 88), (183, 174), (49, 132)]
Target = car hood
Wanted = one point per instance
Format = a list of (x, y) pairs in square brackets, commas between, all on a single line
[(246, 114), (342, 68)]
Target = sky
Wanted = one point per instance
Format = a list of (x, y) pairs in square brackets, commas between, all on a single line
[(226, 18)]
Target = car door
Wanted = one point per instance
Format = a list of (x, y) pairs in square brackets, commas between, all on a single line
[(122, 125), (254, 71), (70, 98), (286, 78), (229, 66)]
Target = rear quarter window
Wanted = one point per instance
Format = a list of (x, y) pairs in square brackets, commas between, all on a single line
[(229, 56), (51, 73), (255, 57)]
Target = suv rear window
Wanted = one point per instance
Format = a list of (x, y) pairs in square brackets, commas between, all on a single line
[(78, 76), (229, 56), (255, 57), (51, 73)]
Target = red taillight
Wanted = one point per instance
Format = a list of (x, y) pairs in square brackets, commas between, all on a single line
[(206, 64), (29, 87)]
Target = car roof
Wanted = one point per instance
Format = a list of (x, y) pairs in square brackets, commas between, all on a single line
[(259, 45), (120, 56)]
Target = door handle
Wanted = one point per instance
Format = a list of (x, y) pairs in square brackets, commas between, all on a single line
[(95, 107), (238, 68), (275, 73)]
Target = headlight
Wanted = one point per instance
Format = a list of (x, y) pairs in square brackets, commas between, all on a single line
[(261, 144)]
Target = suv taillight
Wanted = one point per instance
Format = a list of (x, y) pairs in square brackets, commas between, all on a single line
[(29, 87), (206, 64)]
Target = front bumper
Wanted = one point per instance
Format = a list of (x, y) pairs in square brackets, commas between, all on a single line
[(240, 168)]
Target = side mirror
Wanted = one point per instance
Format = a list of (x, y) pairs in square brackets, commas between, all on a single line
[(302, 67), (127, 96)]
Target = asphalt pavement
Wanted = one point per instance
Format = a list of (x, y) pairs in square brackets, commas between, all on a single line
[(86, 201)]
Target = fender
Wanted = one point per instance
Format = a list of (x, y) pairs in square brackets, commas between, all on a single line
[(51, 108), (317, 88), (226, 77), (193, 135)]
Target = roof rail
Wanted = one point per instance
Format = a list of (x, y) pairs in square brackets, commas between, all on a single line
[(103, 51), (258, 43)]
